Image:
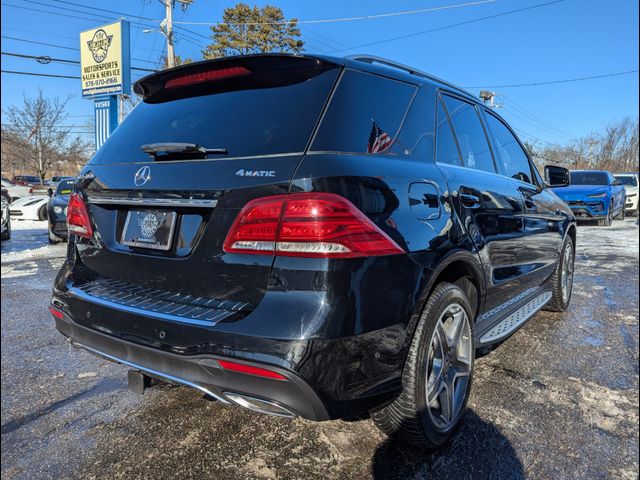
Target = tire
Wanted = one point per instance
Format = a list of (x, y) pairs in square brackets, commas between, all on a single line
[(6, 235), (42, 213), (606, 222), (622, 215), (52, 237), (559, 301), (408, 418), (635, 212)]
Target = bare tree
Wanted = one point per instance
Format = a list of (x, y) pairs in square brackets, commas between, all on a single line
[(38, 127), (614, 149)]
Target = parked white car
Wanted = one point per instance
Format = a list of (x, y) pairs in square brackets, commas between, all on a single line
[(16, 191), (630, 183), (33, 207)]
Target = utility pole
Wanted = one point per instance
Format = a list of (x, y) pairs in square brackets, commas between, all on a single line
[(121, 100), (168, 32)]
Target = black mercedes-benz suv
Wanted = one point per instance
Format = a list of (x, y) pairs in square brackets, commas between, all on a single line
[(313, 236)]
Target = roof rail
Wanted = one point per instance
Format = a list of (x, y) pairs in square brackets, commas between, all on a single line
[(413, 71)]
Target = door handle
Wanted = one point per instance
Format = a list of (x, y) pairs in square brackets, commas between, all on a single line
[(469, 200)]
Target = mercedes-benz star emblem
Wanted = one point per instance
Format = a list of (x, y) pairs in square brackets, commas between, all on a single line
[(142, 176)]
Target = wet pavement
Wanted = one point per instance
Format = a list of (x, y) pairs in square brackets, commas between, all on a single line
[(559, 399)]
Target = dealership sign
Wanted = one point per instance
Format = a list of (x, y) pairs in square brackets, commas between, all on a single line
[(104, 60)]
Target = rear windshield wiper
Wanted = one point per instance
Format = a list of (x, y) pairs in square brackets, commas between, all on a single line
[(180, 151)]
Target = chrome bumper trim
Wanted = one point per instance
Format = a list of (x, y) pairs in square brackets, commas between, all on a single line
[(155, 202), (150, 371)]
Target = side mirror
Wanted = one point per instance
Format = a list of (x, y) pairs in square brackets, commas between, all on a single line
[(556, 176), (617, 183), (50, 192)]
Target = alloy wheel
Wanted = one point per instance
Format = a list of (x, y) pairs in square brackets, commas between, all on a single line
[(449, 366), (566, 279)]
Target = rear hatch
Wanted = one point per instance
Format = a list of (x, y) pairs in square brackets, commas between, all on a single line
[(162, 206)]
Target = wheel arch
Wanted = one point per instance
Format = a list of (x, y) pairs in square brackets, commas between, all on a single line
[(572, 232), (461, 267)]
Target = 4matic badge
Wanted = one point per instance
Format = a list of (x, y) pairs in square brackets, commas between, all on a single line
[(99, 45), (255, 173)]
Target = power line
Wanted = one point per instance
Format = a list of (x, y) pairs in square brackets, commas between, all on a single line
[(103, 10), (186, 33), (115, 12), (566, 80), (453, 25), (40, 43), (39, 74), (71, 38), (45, 59), (539, 127), (530, 115), (346, 19), (48, 12), (102, 18)]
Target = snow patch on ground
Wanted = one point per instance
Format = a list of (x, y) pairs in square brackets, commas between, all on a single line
[(29, 244), (17, 224)]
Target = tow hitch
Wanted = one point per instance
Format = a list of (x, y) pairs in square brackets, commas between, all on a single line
[(139, 382)]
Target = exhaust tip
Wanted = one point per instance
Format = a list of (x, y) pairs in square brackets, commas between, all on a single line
[(259, 405)]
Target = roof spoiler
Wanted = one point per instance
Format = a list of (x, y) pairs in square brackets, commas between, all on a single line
[(230, 74)]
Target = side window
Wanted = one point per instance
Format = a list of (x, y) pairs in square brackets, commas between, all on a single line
[(416, 137), (472, 139), (512, 157), (364, 115), (447, 150)]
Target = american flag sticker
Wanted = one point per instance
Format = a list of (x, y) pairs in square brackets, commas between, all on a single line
[(379, 140)]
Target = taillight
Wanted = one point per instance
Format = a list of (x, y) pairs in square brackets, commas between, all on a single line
[(78, 221), (208, 76), (307, 225)]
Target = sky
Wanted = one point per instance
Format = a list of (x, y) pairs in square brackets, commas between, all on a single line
[(558, 40)]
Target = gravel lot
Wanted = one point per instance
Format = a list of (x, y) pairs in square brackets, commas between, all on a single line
[(559, 399)]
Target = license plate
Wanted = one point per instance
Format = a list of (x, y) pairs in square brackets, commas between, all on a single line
[(149, 229)]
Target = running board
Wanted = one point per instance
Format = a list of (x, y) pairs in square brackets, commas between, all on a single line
[(511, 323)]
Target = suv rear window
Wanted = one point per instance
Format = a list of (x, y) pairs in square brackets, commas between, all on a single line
[(363, 109), (249, 122)]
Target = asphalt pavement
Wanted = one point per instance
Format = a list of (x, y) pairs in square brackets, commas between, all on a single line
[(559, 399)]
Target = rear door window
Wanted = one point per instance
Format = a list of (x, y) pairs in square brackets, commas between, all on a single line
[(470, 133), (416, 137), (365, 114), (251, 122), (511, 155), (447, 150)]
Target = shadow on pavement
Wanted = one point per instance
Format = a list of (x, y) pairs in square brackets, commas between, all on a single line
[(27, 239), (477, 450), (104, 385)]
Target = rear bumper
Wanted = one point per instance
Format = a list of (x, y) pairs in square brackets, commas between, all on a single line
[(342, 376), (201, 372)]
